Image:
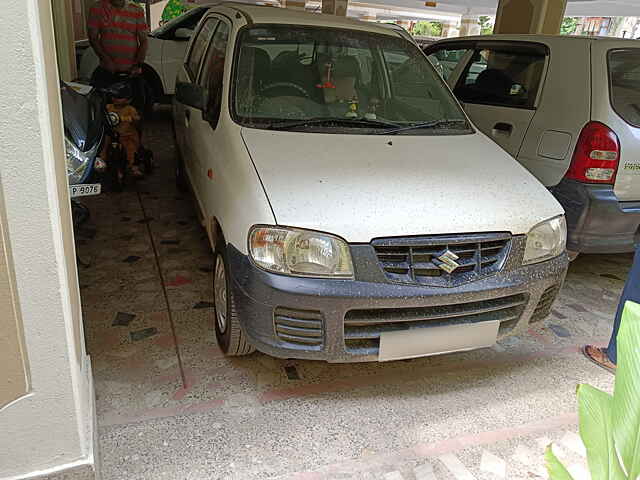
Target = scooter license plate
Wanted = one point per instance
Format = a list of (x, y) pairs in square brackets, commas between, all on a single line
[(85, 190)]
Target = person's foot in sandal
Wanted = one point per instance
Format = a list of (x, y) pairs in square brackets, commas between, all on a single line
[(599, 356)]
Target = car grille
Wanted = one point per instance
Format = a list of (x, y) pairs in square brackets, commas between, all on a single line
[(422, 260), (543, 309), (362, 328), (299, 327)]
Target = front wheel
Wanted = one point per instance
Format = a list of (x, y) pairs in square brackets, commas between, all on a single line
[(231, 338)]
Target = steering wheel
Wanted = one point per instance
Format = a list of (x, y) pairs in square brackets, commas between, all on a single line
[(289, 85)]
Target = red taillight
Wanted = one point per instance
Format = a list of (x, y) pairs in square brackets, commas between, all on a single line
[(597, 154)]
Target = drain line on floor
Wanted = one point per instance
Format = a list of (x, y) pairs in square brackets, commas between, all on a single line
[(164, 287)]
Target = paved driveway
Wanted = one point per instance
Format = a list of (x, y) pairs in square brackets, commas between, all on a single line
[(171, 406)]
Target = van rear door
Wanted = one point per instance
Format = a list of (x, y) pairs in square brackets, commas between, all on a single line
[(616, 103)]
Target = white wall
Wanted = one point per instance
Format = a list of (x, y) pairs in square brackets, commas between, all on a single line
[(53, 426)]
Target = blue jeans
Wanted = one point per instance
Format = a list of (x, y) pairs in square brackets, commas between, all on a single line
[(631, 292)]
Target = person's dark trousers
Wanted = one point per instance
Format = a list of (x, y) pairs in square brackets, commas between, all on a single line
[(631, 293), (103, 78)]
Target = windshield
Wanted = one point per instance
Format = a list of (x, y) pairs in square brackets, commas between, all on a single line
[(359, 82)]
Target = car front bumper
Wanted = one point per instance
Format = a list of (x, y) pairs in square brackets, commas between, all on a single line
[(597, 221), (264, 300)]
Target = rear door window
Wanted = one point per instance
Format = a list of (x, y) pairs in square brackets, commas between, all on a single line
[(200, 46), (213, 71), (508, 77), (624, 81)]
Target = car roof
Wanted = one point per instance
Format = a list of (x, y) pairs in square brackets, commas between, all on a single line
[(549, 39), (268, 14)]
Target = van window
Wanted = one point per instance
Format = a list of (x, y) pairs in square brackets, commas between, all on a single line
[(200, 46), (624, 76), (361, 81), (448, 59), (509, 78), (188, 20), (213, 71)]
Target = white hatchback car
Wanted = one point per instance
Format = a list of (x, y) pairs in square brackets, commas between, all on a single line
[(354, 211), (568, 109)]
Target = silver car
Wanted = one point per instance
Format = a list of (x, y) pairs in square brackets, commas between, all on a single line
[(568, 109)]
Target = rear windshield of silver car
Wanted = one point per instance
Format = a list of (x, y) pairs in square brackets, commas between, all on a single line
[(624, 78), (330, 80)]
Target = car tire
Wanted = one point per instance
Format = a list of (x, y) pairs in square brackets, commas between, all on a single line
[(229, 334)]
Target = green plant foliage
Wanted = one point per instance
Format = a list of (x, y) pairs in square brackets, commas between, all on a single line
[(486, 26), (569, 26), (555, 467), (596, 430), (610, 425), (626, 396), (427, 29)]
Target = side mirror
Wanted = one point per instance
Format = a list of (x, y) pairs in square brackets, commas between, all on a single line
[(192, 95), (183, 34)]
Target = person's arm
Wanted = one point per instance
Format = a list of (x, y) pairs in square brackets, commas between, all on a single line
[(143, 43), (133, 113), (143, 46), (105, 60), (94, 26)]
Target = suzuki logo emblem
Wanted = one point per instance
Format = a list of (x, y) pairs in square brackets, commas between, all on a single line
[(448, 259)]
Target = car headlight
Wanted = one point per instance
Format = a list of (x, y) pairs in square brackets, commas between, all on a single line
[(78, 162), (546, 240), (302, 253)]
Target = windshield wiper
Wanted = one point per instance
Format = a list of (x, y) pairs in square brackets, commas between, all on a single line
[(348, 122), (433, 124)]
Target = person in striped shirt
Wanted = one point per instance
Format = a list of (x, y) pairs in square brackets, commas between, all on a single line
[(118, 34)]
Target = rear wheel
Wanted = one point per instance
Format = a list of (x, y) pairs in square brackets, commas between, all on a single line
[(231, 338), (116, 167)]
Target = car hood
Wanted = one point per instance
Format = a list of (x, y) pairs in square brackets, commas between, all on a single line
[(362, 187)]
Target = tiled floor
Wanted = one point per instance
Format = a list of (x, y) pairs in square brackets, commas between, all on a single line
[(170, 405)]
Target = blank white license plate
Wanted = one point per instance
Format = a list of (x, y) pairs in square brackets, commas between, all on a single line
[(423, 342), (85, 189)]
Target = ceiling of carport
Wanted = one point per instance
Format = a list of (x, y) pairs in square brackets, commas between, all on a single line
[(578, 8)]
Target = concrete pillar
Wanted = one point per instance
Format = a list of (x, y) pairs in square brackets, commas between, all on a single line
[(469, 25), (47, 415), (335, 7), (63, 17), (530, 16), (450, 28), (294, 4)]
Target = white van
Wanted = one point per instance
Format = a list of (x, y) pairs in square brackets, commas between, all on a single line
[(568, 109), (355, 212)]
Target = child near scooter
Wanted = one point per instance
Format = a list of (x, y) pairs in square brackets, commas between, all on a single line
[(125, 123)]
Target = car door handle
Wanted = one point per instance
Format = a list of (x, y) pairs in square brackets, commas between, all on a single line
[(502, 128)]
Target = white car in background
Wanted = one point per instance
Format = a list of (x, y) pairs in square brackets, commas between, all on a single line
[(167, 46), (568, 109), (354, 211)]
